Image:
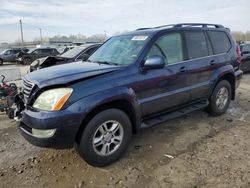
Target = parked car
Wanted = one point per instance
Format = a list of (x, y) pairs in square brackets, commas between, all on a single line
[(28, 58), (11, 54), (245, 62), (76, 54), (133, 81)]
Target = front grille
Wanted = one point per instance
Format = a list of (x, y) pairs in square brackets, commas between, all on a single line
[(27, 87)]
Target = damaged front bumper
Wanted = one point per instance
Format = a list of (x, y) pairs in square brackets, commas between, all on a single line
[(57, 129)]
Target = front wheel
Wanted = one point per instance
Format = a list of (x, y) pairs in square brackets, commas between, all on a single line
[(1, 62), (220, 99), (105, 138)]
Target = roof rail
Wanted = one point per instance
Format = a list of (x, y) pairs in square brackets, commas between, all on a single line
[(198, 25), (179, 25)]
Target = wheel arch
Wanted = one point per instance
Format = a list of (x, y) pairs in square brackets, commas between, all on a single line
[(121, 104), (231, 79)]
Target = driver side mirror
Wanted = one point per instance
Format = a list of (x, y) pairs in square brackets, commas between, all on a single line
[(154, 62)]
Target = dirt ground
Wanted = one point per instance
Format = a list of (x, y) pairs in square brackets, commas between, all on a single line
[(196, 150)]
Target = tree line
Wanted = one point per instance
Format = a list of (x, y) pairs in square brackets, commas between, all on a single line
[(241, 36)]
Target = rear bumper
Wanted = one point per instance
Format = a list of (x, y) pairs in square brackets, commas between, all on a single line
[(65, 123), (238, 76)]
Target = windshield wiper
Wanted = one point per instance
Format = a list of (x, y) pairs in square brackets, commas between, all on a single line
[(107, 63)]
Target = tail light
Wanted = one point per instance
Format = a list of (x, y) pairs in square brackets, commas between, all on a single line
[(238, 53)]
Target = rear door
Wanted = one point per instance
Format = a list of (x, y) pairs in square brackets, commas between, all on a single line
[(201, 63), (163, 89)]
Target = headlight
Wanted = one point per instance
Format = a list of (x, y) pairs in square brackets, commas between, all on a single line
[(53, 99)]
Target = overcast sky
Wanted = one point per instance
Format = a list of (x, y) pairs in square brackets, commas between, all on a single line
[(89, 17)]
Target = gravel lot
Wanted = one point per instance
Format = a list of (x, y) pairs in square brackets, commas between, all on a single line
[(196, 150)]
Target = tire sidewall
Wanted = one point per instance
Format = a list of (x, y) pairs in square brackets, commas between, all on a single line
[(213, 107), (85, 148)]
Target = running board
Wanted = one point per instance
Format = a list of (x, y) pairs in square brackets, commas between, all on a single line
[(174, 114)]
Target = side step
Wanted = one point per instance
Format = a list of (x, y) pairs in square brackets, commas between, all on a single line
[(174, 114)]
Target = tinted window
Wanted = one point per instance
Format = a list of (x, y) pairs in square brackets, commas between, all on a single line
[(47, 50), (91, 50), (245, 48), (196, 44), (36, 52), (220, 41), (16, 51), (169, 47)]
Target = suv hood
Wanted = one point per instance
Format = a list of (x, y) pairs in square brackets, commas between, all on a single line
[(66, 73)]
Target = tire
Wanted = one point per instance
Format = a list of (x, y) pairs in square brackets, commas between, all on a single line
[(27, 61), (10, 113), (1, 62), (219, 104), (94, 155)]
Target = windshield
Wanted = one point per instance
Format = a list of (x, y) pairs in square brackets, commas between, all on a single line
[(72, 53), (3, 51), (120, 50)]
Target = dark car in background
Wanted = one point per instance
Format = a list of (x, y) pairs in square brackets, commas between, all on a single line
[(76, 54), (10, 55), (29, 57), (245, 53)]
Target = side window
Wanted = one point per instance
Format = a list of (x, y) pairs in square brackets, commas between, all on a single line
[(169, 47), (196, 44), (8, 52), (36, 52), (16, 51), (245, 48), (220, 41), (91, 50), (46, 51)]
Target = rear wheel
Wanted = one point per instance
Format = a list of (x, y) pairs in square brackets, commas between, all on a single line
[(220, 99), (1, 62), (105, 138)]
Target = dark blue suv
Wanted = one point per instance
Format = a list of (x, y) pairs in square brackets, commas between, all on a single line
[(133, 81)]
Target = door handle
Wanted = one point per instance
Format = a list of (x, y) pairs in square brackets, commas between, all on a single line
[(212, 62), (183, 69)]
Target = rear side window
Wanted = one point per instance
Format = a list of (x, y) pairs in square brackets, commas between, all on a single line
[(220, 41), (244, 48), (169, 47), (91, 50), (16, 51), (47, 50), (196, 44)]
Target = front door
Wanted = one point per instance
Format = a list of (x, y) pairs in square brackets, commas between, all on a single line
[(163, 89)]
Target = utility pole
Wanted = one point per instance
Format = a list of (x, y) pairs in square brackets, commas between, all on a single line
[(21, 27), (41, 37), (105, 35)]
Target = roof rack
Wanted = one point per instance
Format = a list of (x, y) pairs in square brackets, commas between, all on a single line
[(198, 25), (180, 25)]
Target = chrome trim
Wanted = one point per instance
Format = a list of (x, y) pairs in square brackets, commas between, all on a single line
[(27, 87)]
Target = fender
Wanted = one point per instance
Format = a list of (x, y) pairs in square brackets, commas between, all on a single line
[(91, 102), (218, 74)]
